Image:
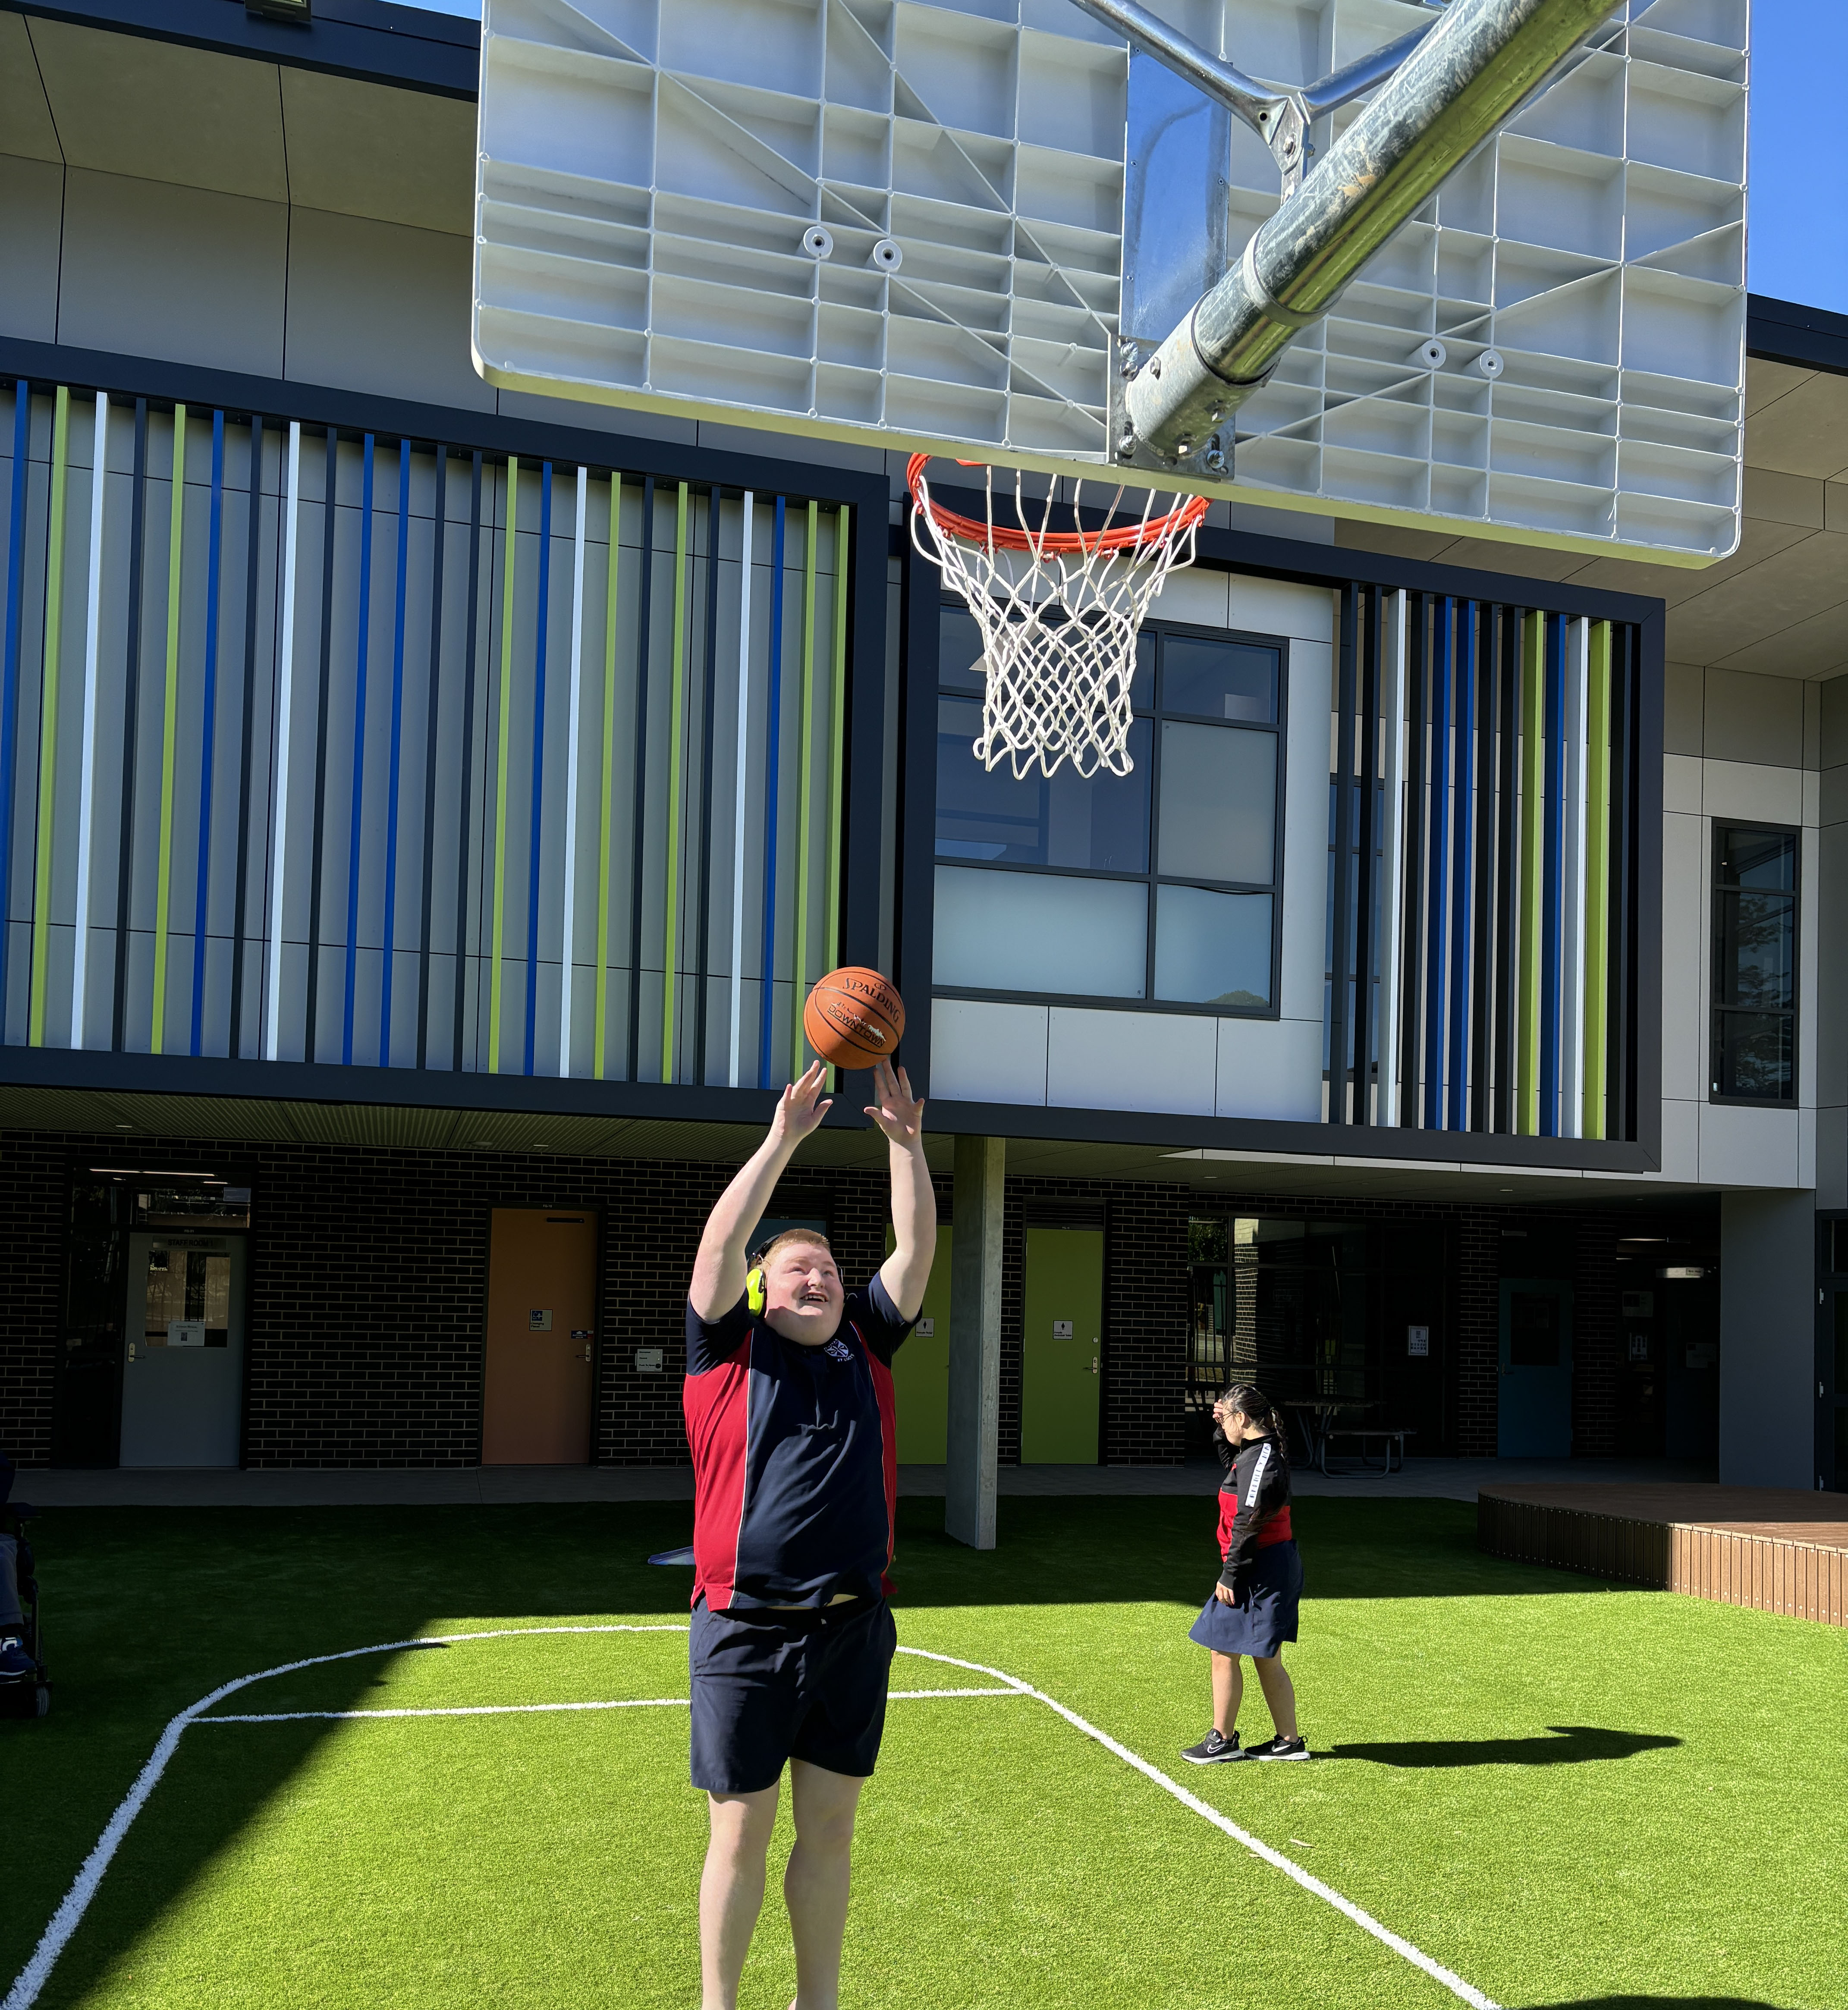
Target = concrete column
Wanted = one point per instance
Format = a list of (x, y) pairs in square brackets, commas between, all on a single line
[(975, 1341), (1768, 1339)]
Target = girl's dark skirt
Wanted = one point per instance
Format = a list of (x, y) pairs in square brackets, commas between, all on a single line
[(1264, 1616)]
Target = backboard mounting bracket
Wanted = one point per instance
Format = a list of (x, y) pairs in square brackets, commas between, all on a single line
[(1211, 460)]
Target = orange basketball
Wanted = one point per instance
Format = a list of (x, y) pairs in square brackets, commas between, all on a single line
[(853, 1018)]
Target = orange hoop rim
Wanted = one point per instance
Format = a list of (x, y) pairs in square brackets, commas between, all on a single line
[(1125, 537)]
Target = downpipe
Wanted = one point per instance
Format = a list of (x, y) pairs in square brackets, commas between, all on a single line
[(1466, 76)]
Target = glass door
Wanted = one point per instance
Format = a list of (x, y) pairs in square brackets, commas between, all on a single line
[(182, 1380), (1534, 1408)]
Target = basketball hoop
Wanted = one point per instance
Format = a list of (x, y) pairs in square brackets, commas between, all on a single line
[(1059, 611)]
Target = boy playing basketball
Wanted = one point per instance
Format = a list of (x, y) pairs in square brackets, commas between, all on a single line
[(789, 1411)]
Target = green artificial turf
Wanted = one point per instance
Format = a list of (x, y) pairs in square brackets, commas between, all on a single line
[(1566, 1793)]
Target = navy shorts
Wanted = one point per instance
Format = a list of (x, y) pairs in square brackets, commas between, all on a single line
[(768, 1687), (1265, 1614)]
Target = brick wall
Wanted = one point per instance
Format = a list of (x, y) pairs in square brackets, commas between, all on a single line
[(367, 1282), (1595, 1340), (1478, 1330), (368, 1272), (33, 1196)]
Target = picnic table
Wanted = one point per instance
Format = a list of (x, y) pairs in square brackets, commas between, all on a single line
[(1315, 1417)]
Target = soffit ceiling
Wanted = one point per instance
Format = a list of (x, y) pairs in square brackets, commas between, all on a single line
[(121, 104), (139, 1118)]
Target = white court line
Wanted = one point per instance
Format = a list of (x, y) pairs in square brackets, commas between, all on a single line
[(539, 1709), (33, 1977), (1455, 1983)]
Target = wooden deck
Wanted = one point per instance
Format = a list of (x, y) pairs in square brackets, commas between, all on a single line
[(1770, 1549)]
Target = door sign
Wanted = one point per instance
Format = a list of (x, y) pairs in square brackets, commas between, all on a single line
[(538, 1320)]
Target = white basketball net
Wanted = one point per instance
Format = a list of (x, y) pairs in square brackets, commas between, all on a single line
[(1059, 611)]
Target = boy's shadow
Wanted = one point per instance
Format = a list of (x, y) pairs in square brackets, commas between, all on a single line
[(1568, 1744)]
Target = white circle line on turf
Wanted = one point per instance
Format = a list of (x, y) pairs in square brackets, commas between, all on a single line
[(32, 1978), (539, 1709)]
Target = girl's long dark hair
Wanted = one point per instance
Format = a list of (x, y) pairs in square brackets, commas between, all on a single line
[(1251, 1401)]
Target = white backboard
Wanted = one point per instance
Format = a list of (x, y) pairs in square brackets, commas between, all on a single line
[(649, 172)]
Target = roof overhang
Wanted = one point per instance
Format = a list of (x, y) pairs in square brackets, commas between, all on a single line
[(409, 47)]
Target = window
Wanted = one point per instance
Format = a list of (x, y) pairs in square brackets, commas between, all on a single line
[(1754, 964), (1160, 887)]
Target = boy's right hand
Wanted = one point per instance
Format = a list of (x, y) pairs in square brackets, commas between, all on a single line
[(799, 1112)]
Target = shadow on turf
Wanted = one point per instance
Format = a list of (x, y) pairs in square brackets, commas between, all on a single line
[(1568, 1744), (1660, 2002)]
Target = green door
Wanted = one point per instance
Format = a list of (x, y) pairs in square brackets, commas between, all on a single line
[(1062, 1347), (921, 1369)]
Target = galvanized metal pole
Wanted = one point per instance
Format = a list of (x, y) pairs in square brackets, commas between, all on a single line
[(1462, 80)]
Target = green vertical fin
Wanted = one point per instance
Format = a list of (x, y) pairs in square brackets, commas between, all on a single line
[(48, 714), (1598, 872), (500, 767), (169, 726), (805, 798), (604, 800), (676, 721)]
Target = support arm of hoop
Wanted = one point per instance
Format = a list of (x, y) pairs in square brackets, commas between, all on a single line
[(1465, 75)]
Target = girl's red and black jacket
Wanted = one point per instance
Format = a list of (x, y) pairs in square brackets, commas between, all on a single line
[(1254, 1500)]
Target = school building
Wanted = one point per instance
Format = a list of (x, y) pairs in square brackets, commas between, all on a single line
[(423, 806)]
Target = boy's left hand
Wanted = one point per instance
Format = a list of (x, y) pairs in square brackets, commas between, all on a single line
[(897, 1112)]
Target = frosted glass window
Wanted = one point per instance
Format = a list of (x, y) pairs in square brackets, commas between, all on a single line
[(1213, 949), (1039, 931), (1218, 803)]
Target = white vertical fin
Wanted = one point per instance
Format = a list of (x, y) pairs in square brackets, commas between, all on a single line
[(743, 741), (86, 792), (278, 835), (1392, 865), (569, 949)]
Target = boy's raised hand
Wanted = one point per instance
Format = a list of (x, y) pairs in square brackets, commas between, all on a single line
[(800, 1112), (897, 1111)]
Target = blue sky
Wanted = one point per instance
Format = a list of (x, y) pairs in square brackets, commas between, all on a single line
[(1798, 234), (1797, 230)]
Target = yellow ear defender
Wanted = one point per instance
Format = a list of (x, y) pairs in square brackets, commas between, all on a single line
[(754, 1293)]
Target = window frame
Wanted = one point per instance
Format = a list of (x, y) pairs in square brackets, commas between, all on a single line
[(1716, 891), (1152, 879)]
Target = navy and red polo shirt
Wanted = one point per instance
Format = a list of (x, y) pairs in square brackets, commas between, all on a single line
[(795, 1456)]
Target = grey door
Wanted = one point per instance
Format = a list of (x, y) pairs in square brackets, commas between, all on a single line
[(183, 1380), (1535, 1383)]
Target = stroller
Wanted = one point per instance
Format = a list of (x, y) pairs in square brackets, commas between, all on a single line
[(25, 1688)]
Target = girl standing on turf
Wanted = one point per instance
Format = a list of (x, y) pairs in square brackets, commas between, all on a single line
[(1252, 1610)]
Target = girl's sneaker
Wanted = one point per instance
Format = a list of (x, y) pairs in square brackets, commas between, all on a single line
[(1279, 1748), (1213, 1750)]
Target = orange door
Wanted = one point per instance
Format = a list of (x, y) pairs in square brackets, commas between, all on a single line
[(542, 1291)]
